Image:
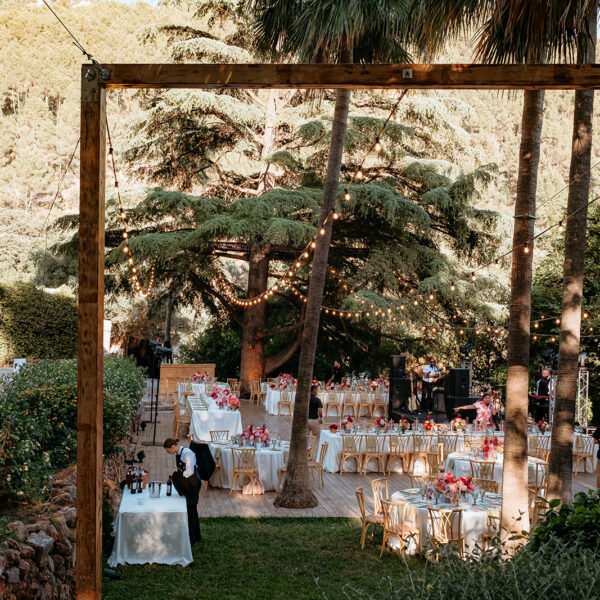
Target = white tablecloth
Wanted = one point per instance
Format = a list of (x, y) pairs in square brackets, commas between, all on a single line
[(474, 518), (215, 419), (334, 449), (153, 532), (268, 462), (459, 464)]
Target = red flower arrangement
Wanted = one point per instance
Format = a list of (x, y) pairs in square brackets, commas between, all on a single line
[(333, 428), (380, 423)]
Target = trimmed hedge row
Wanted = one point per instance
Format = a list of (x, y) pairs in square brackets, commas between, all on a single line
[(36, 324), (38, 419)]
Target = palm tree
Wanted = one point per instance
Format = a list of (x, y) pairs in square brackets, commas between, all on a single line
[(343, 31), (561, 453), (523, 31)]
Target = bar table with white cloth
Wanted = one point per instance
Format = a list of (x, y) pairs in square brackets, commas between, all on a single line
[(268, 461), (202, 422), (475, 518), (151, 530)]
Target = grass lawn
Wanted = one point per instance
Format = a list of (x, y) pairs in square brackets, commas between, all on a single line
[(271, 558)]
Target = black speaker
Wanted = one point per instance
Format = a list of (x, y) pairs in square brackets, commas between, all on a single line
[(397, 366), (399, 392), (458, 383)]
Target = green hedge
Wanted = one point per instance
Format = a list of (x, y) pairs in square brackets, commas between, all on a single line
[(36, 324), (38, 419)]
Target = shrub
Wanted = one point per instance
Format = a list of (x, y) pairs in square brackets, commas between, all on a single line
[(577, 523), (36, 324), (38, 413)]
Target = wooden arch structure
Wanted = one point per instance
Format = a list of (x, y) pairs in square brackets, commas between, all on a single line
[(92, 192)]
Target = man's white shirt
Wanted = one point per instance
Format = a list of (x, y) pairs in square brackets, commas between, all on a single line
[(188, 457), (429, 372)]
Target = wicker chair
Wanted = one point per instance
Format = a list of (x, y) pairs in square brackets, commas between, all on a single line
[(219, 435), (372, 448), (350, 449), (435, 458), (449, 442), (584, 450), (349, 402), (446, 527), (538, 446), (421, 445), (317, 465), (398, 451), (255, 391), (364, 402), (379, 487), (380, 402), (482, 469), (394, 524), (367, 519), (285, 401), (244, 465), (334, 400), (488, 485)]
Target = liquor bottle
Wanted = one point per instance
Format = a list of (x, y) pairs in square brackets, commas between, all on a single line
[(140, 482), (169, 486), (133, 480)]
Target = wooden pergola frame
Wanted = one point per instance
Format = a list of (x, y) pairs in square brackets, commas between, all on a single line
[(92, 191)]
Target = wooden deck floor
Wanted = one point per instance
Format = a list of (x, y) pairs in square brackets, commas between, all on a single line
[(336, 498)]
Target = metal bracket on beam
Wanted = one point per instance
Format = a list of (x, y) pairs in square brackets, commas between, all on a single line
[(407, 73), (90, 82)]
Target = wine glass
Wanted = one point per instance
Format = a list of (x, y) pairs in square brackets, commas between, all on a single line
[(475, 495), (436, 495)]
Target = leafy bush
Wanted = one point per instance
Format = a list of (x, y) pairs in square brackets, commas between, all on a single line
[(36, 324), (38, 417), (577, 523)]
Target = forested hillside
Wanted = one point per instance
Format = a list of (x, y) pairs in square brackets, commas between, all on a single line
[(464, 143)]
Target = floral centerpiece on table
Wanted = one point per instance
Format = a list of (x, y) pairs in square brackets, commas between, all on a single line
[(543, 425), (458, 424), (451, 487), (403, 424), (216, 392), (428, 424), (333, 428), (284, 380), (347, 423), (199, 377), (489, 446), (232, 402), (380, 424), (256, 434)]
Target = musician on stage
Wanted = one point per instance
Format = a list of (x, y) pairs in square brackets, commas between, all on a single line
[(430, 376)]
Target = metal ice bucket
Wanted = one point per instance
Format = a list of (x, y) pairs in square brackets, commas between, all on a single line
[(154, 488)]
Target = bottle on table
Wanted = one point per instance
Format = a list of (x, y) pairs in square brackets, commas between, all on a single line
[(134, 475), (169, 486), (140, 481)]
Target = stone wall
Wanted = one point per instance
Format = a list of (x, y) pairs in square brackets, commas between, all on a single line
[(36, 562)]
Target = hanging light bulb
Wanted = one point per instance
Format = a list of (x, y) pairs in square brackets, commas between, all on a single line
[(586, 315), (526, 248), (322, 231), (313, 245), (557, 321), (473, 276), (305, 255), (553, 340), (452, 286), (561, 227), (298, 264), (536, 325), (535, 337), (125, 250), (359, 174), (347, 196), (377, 146), (335, 216), (497, 263)]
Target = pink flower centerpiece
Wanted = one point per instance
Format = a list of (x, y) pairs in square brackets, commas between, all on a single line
[(284, 380), (199, 377), (451, 487), (256, 434), (380, 424), (347, 423), (458, 424), (403, 424)]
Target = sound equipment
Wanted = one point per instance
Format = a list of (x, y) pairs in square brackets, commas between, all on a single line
[(141, 350), (458, 383), (539, 407), (399, 392), (439, 406), (397, 366)]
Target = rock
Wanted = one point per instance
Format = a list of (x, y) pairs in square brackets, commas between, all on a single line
[(70, 515), (64, 592), (18, 529), (33, 528), (62, 500), (24, 568), (60, 524), (27, 552), (72, 537), (3, 565), (51, 564), (12, 575), (64, 547), (12, 556), (49, 529), (42, 544)]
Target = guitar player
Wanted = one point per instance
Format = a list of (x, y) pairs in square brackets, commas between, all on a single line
[(430, 376)]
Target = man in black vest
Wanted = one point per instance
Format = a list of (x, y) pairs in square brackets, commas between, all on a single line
[(187, 483)]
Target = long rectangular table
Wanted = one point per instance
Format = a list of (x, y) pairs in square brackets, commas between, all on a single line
[(202, 422), (151, 530)]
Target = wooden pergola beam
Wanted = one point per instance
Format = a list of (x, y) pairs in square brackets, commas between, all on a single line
[(381, 76), (91, 225)]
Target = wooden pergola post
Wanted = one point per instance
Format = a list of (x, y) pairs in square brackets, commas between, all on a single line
[(90, 357), (91, 224)]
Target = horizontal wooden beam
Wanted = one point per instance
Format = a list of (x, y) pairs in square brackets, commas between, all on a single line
[(380, 76)]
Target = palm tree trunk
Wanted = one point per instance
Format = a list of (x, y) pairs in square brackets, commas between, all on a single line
[(561, 452), (296, 492), (515, 501), (253, 357)]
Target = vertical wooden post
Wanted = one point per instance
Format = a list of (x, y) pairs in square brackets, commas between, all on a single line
[(90, 337)]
